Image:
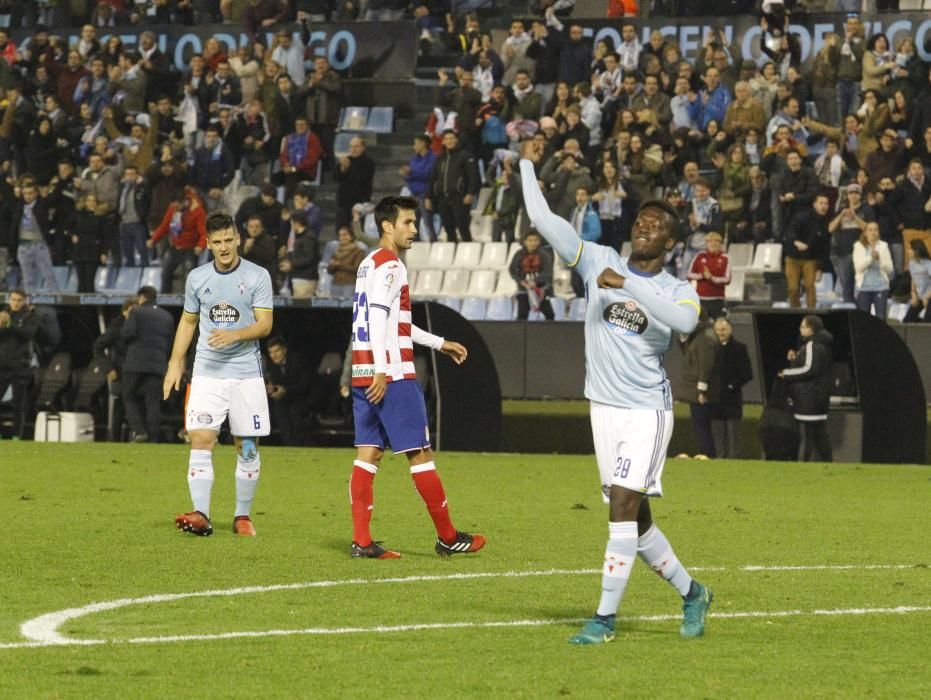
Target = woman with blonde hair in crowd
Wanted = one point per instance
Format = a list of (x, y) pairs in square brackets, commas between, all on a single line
[(872, 264)]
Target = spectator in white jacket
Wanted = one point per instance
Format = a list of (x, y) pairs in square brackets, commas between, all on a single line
[(872, 264)]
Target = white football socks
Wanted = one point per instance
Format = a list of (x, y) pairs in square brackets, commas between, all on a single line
[(620, 555), (656, 552), (200, 479), (247, 478)]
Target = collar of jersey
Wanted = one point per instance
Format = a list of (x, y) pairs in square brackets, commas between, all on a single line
[(232, 269), (640, 273)]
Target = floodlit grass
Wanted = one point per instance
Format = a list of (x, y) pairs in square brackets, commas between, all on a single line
[(93, 523)]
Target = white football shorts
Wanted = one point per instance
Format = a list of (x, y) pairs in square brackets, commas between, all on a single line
[(244, 400), (630, 447)]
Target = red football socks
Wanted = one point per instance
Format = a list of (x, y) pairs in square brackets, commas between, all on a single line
[(362, 496), (430, 488)]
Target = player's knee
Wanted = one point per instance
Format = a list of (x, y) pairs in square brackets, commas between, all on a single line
[(249, 450), (624, 504), (202, 439)]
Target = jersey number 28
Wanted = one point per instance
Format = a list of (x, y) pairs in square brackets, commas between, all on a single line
[(360, 332)]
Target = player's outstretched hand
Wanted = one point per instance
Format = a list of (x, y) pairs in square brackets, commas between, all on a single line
[(376, 391), (455, 350), (220, 338), (609, 279), (172, 380)]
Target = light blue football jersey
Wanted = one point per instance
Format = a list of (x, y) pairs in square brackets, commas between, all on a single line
[(227, 300), (624, 343)]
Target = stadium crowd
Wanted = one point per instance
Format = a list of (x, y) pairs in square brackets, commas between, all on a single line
[(111, 156)]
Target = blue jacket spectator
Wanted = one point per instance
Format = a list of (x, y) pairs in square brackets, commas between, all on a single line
[(420, 169), (585, 217), (710, 103)]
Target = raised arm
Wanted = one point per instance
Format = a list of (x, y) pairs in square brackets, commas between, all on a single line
[(557, 231)]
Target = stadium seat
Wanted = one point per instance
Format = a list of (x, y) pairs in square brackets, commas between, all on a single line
[(840, 305), (468, 256), (896, 311), (380, 120), (740, 255), (473, 308), (484, 196), (429, 283), (501, 309), (735, 290), (506, 286), (62, 278), (324, 280), (441, 255), (454, 303), (562, 279), (151, 277), (482, 283), (127, 280), (559, 309), (781, 305), (481, 227), (455, 283), (494, 256), (768, 257), (578, 308), (626, 247), (411, 278), (353, 118), (341, 144), (328, 250), (104, 278), (417, 256), (515, 246)]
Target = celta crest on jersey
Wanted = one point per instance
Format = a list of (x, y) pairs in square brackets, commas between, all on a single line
[(626, 318), (224, 314)]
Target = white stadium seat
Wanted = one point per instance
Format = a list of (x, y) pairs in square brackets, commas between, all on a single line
[(578, 308), (429, 283), (768, 257), (494, 256), (441, 255), (626, 247), (452, 302), (468, 256), (501, 309), (455, 283), (740, 255), (735, 290), (417, 257), (506, 286), (482, 283)]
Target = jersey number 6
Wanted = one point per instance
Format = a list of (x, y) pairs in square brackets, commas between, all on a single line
[(360, 332)]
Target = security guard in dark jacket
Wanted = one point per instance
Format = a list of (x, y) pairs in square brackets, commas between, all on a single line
[(810, 380), (148, 333), (18, 326)]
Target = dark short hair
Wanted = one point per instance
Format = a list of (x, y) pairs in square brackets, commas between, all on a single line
[(148, 293), (672, 216), (276, 340), (22, 292), (389, 208), (219, 221), (814, 322)]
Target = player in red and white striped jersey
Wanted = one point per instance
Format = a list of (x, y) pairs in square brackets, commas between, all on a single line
[(388, 404)]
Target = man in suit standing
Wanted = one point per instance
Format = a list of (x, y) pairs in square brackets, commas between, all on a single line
[(148, 332)]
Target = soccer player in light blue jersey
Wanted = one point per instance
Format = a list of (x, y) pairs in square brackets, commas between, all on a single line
[(230, 300), (633, 309)]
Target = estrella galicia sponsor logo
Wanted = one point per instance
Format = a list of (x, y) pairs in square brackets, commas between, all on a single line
[(626, 318), (224, 314)]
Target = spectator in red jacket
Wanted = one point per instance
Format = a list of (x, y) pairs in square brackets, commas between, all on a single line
[(67, 76), (185, 221), (300, 153), (712, 269)]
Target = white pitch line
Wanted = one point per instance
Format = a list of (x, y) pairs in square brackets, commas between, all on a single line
[(393, 629), (43, 630)]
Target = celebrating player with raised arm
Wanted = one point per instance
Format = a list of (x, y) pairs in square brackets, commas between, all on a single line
[(387, 402), (231, 299), (633, 309)]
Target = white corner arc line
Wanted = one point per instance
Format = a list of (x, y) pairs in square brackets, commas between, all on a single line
[(43, 630)]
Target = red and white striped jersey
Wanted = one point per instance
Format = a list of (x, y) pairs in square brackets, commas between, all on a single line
[(381, 288)]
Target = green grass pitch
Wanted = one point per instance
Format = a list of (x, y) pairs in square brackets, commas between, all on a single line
[(93, 523)]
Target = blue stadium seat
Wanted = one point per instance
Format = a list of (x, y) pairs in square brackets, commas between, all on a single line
[(341, 144), (473, 309), (455, 303), (381, 120), (577, 309), (353, 118), (500, 309), (62, 275), (151, 277), (128, 280), (104, 279), (843, 305)]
